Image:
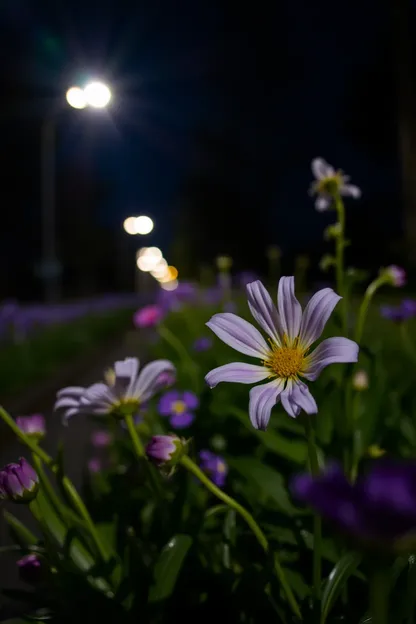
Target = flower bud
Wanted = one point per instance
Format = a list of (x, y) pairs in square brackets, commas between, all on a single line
[(31, 569), (360, 381), (165, 451), (33, 426), (394, 275), (332, 231), (19, 482), (326, 262)]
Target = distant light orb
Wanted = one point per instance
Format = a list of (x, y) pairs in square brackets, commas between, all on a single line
[(172, 285), (144, 225), (142, 252), (173, 272), (97, 94), (160, 269), (154, 252), (130, 225), (76, 97), (149, 259)]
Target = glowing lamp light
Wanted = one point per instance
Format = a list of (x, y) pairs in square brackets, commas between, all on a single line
[(160, 269), (97, 94), (172, 285), (76, 97), (130, 225), (149, 259), (144, 225)]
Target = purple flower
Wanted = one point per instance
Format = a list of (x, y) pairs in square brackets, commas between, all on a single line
[(165, 450), (149, 316), (179, 407), (328, 183), (202, 344), (101, 438), (396, 275), (95, 465), (30, 569), (19, 482), (398, 314), (286, 356), (379, 509), (214, 466), (122, 396), (33, 426)]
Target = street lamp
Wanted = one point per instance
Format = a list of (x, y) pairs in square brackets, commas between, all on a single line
[(94, 95), (138, 225)]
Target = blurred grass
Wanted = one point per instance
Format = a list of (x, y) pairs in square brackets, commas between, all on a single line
[(42, 354)]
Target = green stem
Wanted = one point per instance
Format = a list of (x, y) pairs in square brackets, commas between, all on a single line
[(135, 438), (66, 482), (183, 355), (339, 261), (317, 523), (362, 313), (379, 595), (261, 538), (407, 342), (140, 450), (29, 442)]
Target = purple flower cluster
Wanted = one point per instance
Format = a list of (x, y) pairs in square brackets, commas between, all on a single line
[(19, 482), (21, 321), (379, 509), (400, 313)]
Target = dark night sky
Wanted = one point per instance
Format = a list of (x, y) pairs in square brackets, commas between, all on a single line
[(283, 72)]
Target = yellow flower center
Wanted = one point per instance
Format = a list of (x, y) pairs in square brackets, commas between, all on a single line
[(285, 362), (178, 407), (124, 407), (330, 184), (221, 467)]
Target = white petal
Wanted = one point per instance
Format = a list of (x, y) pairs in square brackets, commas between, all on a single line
[(262, 399), (316, 315), (237, 372), (290, 310), (303, 399), (322, 203), (147, 383), (330, 351), (263, 309), (350, 190), (239, 334), (321, 169)]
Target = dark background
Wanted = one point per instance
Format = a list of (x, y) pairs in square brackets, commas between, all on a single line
[(218, 108)]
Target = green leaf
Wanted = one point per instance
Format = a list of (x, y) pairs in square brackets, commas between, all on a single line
[(294, 450), (297, 583), (168, 566), (267, 482), (19, 532), (336, 581)]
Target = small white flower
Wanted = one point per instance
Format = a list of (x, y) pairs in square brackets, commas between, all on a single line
[(328, 182)]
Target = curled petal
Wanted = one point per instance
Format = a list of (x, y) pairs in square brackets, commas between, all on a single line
[(287, 401), (316, 315), (321, 169), (98, 394), (74, 391), (330, 351), (262, 399), (147, 384), (263, 309), (237, 372), (323, 203), (350, 190), (239, 334), (303, 398), (290, 310)]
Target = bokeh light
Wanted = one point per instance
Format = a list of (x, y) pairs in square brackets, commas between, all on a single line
[(172, 285), (97, 94), (149, 259), (144, 225), (130, 225), (76, 97)]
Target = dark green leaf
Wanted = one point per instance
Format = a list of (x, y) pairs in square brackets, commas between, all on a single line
[(297, 583), (168, 566), (336, 581), (294, 450), (19, 532), (268, 483)]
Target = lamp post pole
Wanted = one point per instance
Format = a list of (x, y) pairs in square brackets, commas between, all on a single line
[(50, 267)]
